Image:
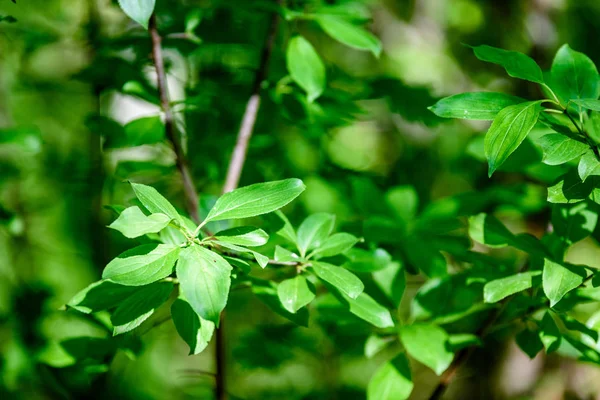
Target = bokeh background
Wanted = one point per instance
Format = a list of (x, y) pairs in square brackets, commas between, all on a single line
[(67, 66)]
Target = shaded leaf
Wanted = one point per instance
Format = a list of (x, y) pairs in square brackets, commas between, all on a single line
[(559, 149), (194, 330)]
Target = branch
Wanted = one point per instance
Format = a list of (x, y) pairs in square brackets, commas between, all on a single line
[(238, 157), (191, 195)]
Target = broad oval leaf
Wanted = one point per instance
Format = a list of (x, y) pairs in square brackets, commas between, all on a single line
[(427, 343), (574, 76), (349, 34), (138, 307), (342, 279), (560, 279), (313, 231), (517, 65), (474, 106), (529, 341), (204, 281), (391, 381), (487, 229), (155, 202), (146, 130), (243, 236), (337, 243), (142, 265), (132, 222), (253, 200), (138, 10), (588, 165), (498, 289), (295, 293), (305, 67), (99, 296), (194, 330), (267, 293), (559, 149), (366, 308), (508, 131)]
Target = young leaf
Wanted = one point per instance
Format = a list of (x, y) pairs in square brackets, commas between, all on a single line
[(337, 243), (285, 255), (559, 149), (295, 293), (133, 223), (138, 307), (313, 231), (350, 34), (267, 293), (99, 296), (559, 279), (530, 342), (474, 106), (588, 165), (391, 381), (508, 131), (549, 333), (287, 231), (253, 200), (243, 236), (517, 65), (155, 202), (204, 280), (340, 278), (194, 330), (305, 67), (374, 344), (369, 310), (498, 289), (262, 260), (427, 343), (574, 76), (142, 265), (138, 10)]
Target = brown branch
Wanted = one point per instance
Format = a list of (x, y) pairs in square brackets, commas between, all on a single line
[(238, 158), (191, 195)]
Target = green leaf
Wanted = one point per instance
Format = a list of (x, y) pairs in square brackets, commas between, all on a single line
[(590, 104), (204, 281), (99, 296), (529, 341), (262, 260), (295, 293), (474, 106), (267, 293), (570, 189), (138, 307), (142, 265), (574, 222), (243, 236), (391, 381), (392, 282), (138, 10), (287, 231), (155, 202), (486, 229), (305, 67), (549, 333), (588, 165), (133, 223), (574, 76), (508, 131), (559, 279), (337, 243), (498, 289), (253, 200), (517, 65), (427, 343), (374, 344), (194, 330), (285, 255), (342, 279), (459, 341), (573, 325), (559, 149), (369, 310), (349, 34), (141, 131), (313, 231), (592, 127)]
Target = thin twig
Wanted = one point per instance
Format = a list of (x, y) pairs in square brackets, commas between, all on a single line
[(238, 157), (191, 195)]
